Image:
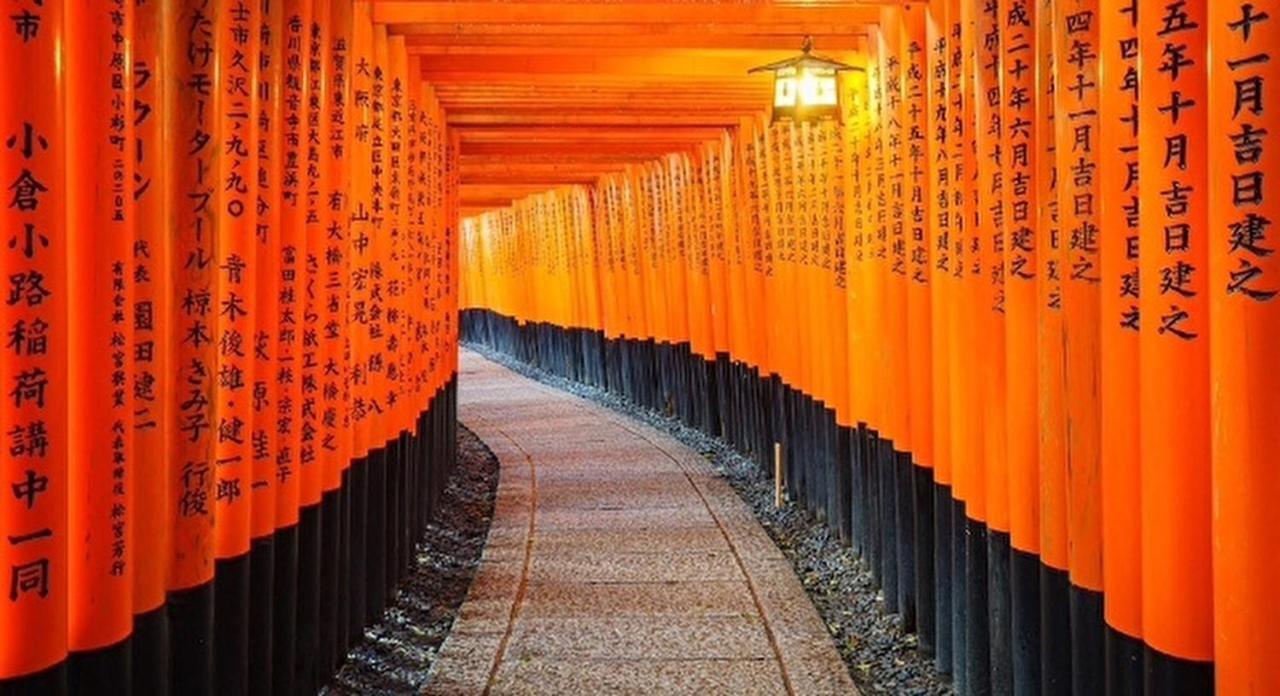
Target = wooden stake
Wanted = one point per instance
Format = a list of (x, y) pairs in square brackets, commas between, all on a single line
[(777, 475)]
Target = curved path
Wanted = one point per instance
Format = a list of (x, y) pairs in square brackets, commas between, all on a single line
[(619, 562)]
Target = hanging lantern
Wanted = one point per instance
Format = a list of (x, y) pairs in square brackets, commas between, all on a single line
[(806, 87)]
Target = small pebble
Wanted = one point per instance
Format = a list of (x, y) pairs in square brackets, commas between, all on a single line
[(396, 654)]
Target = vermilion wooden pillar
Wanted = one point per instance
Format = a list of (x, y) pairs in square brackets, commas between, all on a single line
[(919, 345), (33, 620), (1244, 332), (336, 438), (359, 255), (1174, 428), (990, 493), (292, 135), (150, 270), (965, 445), (942, 224), (236, 316), (194, 107), (1118, 343), (267, 210), (100, 219), (313, 172), (1077, 149)]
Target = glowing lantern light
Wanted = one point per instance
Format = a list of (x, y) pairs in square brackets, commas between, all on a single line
[(806, 87)]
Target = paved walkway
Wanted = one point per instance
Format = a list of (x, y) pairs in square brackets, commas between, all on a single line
[(619, 562)]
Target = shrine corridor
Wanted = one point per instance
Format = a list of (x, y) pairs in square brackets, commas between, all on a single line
[(989, 289)]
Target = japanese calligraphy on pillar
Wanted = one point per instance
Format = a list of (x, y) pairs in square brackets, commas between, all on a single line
[(1244, 288), (1174, 379), (939, 147), (960, 139), (149, 268), (335, 435), (1022, 120), (987, 245), (990, 135), (33, 507), (267, 212), (237, 242), (1076, 39), (1050, 378), (919, 328), (1117, 142), (292, 259), (418, 277), (315, 192), (1120, 91), (1241, 68), (359, 235), (196, 107), (100, 229), (1076, 118), (375, 367), (1174, 149), (396, 234), (1019, 128), (915, 145), (893, 109), (940, 216)]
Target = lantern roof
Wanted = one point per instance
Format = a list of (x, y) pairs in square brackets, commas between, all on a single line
[(807, 58)]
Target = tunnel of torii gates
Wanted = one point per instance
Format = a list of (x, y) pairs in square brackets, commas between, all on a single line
[(1013, 318)]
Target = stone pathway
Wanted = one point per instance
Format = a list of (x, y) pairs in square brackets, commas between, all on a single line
[(619, 562)]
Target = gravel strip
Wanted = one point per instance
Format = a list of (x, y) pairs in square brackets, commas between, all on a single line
[(396, 654), (881, 658)]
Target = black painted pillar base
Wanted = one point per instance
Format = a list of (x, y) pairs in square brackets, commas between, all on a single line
[(924, 558), (106, 670), (262, 574), (959, 596), (330, 545), (375, 538), (998, 612), (887, 466), (977, 626), (306, 654), (1055, 632), (904, 508), (842, 469), (943, 584), (47, 682), (191, 653), (356, 562), (150, 652), (1175, 676), (1024, 595), (1124, 664), (284, 627), (231, 624), (858, 492), (1088, 657)]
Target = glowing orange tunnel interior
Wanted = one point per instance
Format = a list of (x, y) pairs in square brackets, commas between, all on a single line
[(1012, 310)]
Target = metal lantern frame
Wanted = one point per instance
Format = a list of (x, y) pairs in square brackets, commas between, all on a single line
[(806, 87)]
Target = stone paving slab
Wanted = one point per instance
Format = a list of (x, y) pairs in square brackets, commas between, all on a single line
[(699, 598), (640, 677), (618, 562), (650, 566), (697, 538)]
